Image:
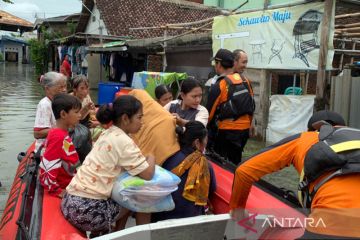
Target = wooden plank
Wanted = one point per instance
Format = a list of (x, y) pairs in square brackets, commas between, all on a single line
[(347, 25), (332, 93), (342, 55), (302, 81), (346, 15), (346, 95), (347, 51), (341, 94), (306, 82), (354, 118), (323, 53), (353, 29), (190, 23), (294, 82), (347, 40), (167, 27), (353, 48), (265, 100), (347, 34)]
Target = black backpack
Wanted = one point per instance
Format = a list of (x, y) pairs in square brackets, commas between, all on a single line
[(240, 100), (81, 138), (337, 153)]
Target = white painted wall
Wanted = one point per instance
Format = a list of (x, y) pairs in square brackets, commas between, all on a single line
[(93, 26), (14, 48)]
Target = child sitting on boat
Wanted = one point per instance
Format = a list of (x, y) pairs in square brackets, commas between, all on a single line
[(104, 120), (80, 89), (197, 175), (163, 94), (59, 158), (87, 203)]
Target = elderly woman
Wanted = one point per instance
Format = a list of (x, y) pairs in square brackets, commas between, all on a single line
[(53, 84)]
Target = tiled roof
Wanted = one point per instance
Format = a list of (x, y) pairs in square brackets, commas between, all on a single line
[(121, 15), (8, 19)]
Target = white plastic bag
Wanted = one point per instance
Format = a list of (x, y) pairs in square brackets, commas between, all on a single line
[(139, 195)]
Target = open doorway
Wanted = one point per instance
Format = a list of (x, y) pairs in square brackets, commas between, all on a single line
[(286, 81), (11, 57)]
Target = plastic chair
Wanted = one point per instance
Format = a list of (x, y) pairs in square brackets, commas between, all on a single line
[(293, 91)]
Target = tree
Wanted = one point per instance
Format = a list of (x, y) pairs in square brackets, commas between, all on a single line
[(8, 1), (38, 51)]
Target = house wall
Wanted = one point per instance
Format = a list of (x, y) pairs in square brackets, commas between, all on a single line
[(95, 70), (195, 63), (92, 26), (260, 82), (60, 29), (13, 47), (2, 48)]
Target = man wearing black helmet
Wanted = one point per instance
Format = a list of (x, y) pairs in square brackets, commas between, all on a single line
[(327, 158)]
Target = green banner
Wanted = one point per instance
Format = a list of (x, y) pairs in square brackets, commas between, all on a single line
[(284, 38), (150, 80)]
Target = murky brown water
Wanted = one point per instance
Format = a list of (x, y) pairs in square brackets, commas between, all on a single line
[(287, 178), (19, 94)]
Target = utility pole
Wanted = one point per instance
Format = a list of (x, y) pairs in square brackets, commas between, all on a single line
[(320, 102)]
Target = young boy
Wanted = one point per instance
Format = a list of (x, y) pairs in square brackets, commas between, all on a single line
[(59, 158)]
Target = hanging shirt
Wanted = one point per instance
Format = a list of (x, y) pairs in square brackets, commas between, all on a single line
[(59, 51), (65, 68)]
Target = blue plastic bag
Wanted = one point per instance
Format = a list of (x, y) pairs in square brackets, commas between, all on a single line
[(139, 195)]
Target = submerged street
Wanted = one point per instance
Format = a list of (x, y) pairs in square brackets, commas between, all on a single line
[(20, 93)]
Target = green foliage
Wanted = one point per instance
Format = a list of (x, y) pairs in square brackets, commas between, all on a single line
[(1, 57), (49, 33), (8, 1), (39, 50), (72, 27)]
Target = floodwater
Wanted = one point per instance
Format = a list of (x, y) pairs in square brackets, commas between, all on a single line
[(287, 178), (20, 93)]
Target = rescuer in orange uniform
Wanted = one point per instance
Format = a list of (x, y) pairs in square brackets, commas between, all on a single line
[(336, 200)]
